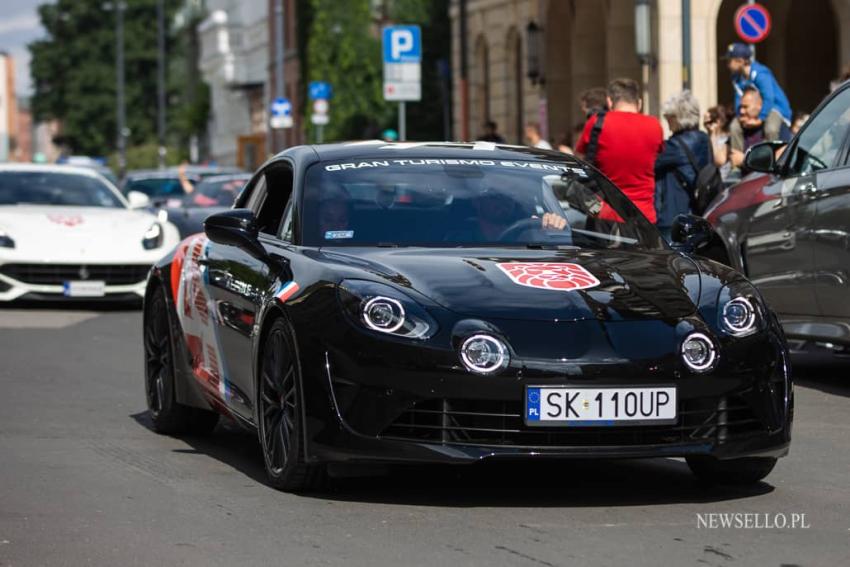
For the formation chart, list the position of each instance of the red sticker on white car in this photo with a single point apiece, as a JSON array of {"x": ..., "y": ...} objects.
[
  {"x": 558, "y": 276},
  {"x": 65, "y": 220}
]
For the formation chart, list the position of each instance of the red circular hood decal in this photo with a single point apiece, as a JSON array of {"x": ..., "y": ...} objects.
[{"x": 558, "y": 276}]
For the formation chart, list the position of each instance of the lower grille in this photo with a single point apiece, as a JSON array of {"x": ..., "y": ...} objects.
[
  {"x": 56, "y": 274},
  {"x": 498, "y": 423}
]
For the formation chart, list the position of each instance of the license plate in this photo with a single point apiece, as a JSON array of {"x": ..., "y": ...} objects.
[
  {"x": 595, "y": 407},
  {"x": 87, "y": 288}
]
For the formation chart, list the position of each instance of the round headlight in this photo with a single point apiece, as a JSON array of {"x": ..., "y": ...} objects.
[
  {"x": 698, "y": 352},
  {"x": 383, "y": 314},
  {"x": 152, "y": 237},
  {"x": 484, "y": 354},
  {"x": 739, "y": 316}
]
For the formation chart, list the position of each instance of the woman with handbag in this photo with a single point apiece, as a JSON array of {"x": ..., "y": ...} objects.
[{"x": 679, "y": 166}]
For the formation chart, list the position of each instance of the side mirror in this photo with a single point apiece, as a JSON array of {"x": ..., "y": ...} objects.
[
  {"x": 762, "y": 157},
  {"x": 138, "y": 200},
  {"x": 689, "y": 233},
  {"x": 236, "y": 227}
]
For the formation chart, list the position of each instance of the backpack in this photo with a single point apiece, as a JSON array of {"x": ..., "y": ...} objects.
[
  {"x": 707, "y": 184},
  {"x": 593, "y": 144}
]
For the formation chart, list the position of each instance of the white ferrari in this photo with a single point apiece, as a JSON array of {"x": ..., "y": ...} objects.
[{"x": 67, "y": 232}]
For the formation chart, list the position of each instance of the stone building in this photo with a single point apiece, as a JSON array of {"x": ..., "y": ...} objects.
[
  {"x": 234, "y": 62},
  {"x": 529, "y": 60}
]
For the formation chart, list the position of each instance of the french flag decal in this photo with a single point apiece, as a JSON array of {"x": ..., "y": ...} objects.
[{"x": 286, "y": 291}]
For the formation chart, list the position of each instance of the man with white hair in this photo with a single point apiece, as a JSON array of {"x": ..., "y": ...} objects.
[{"x": 685, "y": 154}]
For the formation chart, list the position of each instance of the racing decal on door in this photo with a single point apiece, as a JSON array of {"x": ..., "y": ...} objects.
[
  {"x": 197, "y": 318},
  {"x": 558, "y": 276}
]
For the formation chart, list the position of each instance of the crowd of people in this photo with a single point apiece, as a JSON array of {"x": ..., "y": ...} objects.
[{"x": 677, "y": 176}]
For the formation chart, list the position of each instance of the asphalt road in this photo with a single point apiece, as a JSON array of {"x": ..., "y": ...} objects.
[{"x": 84, "y": 481}]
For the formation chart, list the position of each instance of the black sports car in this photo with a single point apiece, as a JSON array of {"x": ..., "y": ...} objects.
[
  {"x": 373, "y": 302},
  {"x": 788, "y": 228},
  {"x": 211, "y": 195}
]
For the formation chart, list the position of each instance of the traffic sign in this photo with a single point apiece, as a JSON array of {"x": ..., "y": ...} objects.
[
  {"x": 281, "y": 113},
  {"x": 320, "y": 112},
  {"x": 752, "y": 22},
  {"x": 402, "y": 63},
  {"x": 402, "y": 44},
  {"x": 320, "y": 89}
]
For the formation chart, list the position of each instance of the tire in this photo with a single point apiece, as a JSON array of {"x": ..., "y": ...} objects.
[
  {"x": 169, "y": 417},
  {"x": 279, "y": 421},
  {"x": 749, "y": 470}
]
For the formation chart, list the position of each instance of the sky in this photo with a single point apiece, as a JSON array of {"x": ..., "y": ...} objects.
[{"x": 19, "y": 25}]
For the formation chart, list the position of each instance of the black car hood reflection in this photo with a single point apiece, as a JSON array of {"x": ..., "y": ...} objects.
[{"x": 632, "y": 285}]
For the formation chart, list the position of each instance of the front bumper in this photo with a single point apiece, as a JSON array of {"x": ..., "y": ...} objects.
[
  {"x": 43, "y": 281},
  {"x": 369, "y": 401}
]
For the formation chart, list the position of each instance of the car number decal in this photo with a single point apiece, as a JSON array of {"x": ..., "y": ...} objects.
[{"x": 557, "y": 276}]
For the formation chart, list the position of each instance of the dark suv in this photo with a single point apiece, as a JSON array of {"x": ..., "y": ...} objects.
[{"x": 787, "y": 226}]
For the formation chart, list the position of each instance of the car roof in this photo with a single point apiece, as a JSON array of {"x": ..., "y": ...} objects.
[
  {"x": 51, "y": 168},
  {"x": 227, "y": 177},
  {"x": 378, "y": 149}
]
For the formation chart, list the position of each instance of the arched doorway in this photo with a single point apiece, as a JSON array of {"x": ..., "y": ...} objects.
[
  {"x": 588, "y": 43},
  {"x": 802, "y": 49}
]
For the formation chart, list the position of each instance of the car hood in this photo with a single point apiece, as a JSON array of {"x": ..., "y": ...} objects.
[
  {"x": 69, "y": 233},
  {"x": 497, "y": 283}
]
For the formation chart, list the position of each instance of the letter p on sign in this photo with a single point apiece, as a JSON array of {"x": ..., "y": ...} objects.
[{"x": 402, "y": 44}]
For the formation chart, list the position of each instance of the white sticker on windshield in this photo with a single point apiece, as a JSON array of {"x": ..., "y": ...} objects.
[{"x": 339, "y": 234}]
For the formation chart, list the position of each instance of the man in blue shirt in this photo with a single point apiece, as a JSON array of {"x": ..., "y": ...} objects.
[{"x": 776, "y": 110}]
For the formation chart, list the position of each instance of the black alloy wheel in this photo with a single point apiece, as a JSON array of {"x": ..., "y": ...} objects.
[
  {"x": 279, "y": 414},
  {"x": 168, "y": 416}
]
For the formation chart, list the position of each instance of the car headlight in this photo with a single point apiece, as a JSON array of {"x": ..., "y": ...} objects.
[
  {"x": 699, "y": 352},
  {"x": 6, "y": 241},
  {"x": 484, "y": 354},
  {"x": 384, "y": 309},
  {"x": 740, "y": 311},
  {"x": 153, "y": 237}
]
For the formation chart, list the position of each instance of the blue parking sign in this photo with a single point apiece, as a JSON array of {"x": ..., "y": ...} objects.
[{"x": 402, "y": 44}]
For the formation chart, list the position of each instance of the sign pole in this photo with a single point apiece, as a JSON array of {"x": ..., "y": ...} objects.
[
  {"x": 320, "y": 134},
  {"x": 402, "y": 47}
]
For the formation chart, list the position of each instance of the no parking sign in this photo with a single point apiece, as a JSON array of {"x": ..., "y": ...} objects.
[{"x": 752, "y": 22}]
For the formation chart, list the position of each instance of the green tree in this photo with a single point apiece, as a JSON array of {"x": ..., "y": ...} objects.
[
  {"x": 344, "y": 48},
  {"x": 73, "y": 72}
]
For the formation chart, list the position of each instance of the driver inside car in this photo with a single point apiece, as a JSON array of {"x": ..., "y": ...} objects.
[{"x": 497, "y": 212}]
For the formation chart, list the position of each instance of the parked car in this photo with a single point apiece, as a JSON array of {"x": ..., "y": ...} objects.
[
  {"x": 454, "y": 302},
  {"x": 211, "y": 195},
  {"x": 163, "y": 186},
  {"x": 68, "y": 233},
  {"x": 787, "y": 226}
]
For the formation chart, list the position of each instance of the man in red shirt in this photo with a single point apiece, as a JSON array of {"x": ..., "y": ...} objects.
[{"x": 626, "y": 145}]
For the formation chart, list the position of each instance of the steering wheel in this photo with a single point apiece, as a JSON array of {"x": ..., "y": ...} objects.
[{"x": 520, "y": 226}]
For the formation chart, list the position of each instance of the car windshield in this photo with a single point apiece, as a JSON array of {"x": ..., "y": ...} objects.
[
  {"x": 452, "y": 202},
  {"x": 155, "y": 186},
  {"x": 216, "y": 192},
  {"x": 53, "y": 188}
]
